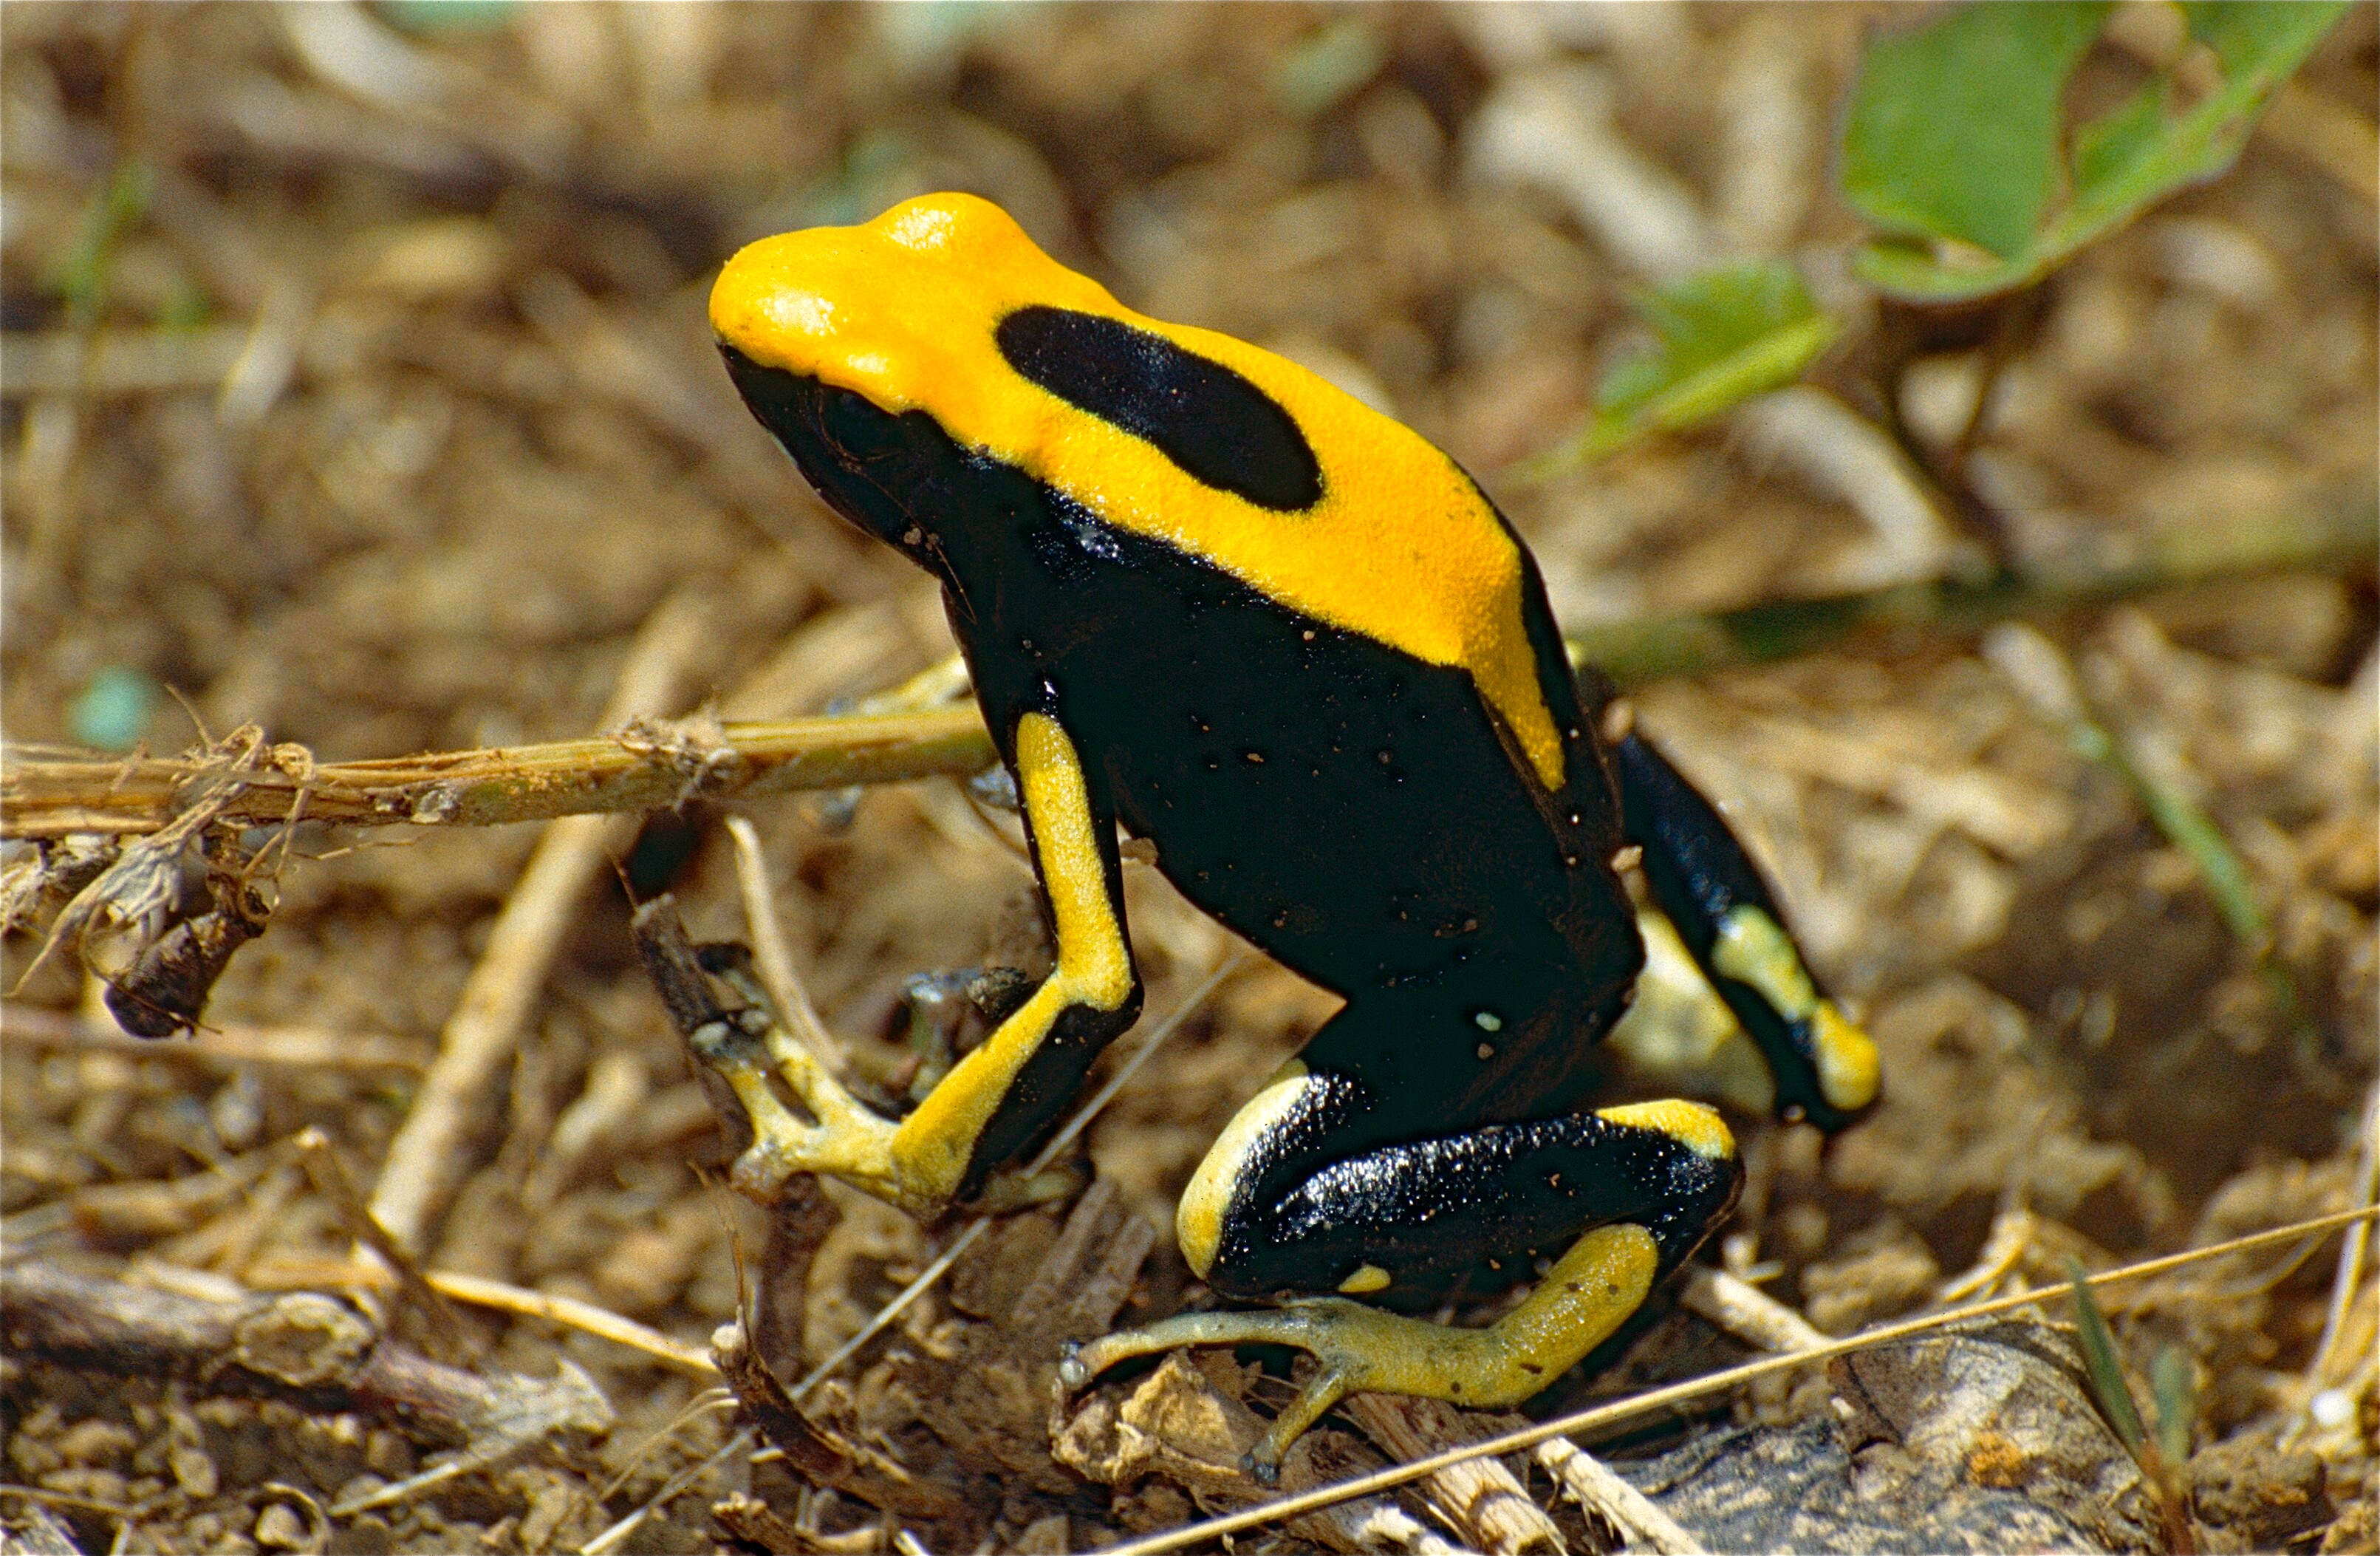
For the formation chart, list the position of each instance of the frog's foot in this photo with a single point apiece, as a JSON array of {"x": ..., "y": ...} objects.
[
  {"x": 752, "y": 1053},
  {"x": 1602, "y": 1278}
]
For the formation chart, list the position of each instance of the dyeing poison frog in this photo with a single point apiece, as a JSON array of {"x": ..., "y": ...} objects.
[{"x": 1206, "y": 595}]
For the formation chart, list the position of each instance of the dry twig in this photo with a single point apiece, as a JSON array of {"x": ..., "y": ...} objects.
[
  {"x": 219, "y": 1047},
  {"x": 312, "y": 1349},
  {"x": 1479, "y": 1499},
  {"x": 428, "y": 1156}
]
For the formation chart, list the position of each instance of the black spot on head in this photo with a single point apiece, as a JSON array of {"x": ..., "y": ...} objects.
[{"x": 1221, "y": 428}]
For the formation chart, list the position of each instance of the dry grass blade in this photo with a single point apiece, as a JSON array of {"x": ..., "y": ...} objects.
[
  {"x": 574, "y": 1314},
  {"x": 1481, "y": 1500},
  {"x": 612, "y": 1537},
  {"x": 1698, "y": 1388},
  {"x": 224, "y": 1047},
  {"x": 787, "y": 994},
  {"x": 1587, "y": 1481},
  {"x": 427, "y": 1157},
  {"x": 329, "y": 1178},
  {"x": 2350, "y": 1277},
  {"x": 1747, "y": 1312}
]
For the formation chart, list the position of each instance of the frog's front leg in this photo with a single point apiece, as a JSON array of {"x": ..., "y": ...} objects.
[
  {"x": 1627, "y": 1193},
  {"x": 1000, "y": 1095}
]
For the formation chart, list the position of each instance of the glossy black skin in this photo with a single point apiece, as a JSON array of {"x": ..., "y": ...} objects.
[{"x": 1358, "y": 813}]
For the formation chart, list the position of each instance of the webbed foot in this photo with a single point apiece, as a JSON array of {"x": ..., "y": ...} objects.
[
  {"x": 843, "y": 1136},
  {"x": 1597, "y": 1283}
]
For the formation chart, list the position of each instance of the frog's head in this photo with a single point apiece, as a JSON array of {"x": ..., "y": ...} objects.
[
  {"x": 870, "y": 351},
  {"x": 870, "y": 464},
  {"x": 941, "y": 315}
]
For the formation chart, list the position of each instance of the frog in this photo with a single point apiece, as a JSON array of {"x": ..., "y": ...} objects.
[{"x": 1213, "y": 601}]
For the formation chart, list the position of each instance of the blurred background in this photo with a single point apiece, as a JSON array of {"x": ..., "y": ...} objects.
[{"x": 357, "y": 386}]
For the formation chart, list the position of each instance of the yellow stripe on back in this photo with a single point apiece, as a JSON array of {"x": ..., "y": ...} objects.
[{"x": 1401, "y": 548}]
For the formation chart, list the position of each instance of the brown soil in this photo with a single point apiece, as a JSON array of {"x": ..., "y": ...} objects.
[{"x": 428, "y": 425}]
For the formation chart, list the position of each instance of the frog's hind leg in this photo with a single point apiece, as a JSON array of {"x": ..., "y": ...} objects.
[{"x": 1630, "y": 1192}]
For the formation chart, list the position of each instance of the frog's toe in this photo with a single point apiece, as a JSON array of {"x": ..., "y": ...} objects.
[
  {"x": 1601, "y": 1279},
  {"x": 751, "y": 1056},
  {"x": 782, "y": 1145},
  {"x": 1287, "y": 1326},
  {"x": 1327, "y": 1328}
]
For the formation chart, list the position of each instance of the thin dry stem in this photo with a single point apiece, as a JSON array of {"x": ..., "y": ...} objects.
[
  {"x": 56, "y": 795},
  {"x": 1589, "y": 1482},
  {"x": 429, "y": 1155},
  {"x": 1480, "y": 1499},
  {"x": 773, "y": 957},
  {"x": 224, "y": 1047},
  {"x": 1748, "y": 1313},
  {"x": 571, "y": 1313},
  {"x": 2348, "y": 1278}
]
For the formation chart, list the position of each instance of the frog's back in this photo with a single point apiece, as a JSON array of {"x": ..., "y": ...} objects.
[{"x": 1360, "y": 814}]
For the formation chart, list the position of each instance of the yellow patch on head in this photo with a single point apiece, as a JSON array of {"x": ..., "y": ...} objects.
[
  {"x": 1401, "y": 548},
  {"x": 1698, "y": 1128}
]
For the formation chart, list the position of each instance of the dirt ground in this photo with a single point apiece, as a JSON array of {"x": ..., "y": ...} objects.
[{"x": 386, "y": 417}]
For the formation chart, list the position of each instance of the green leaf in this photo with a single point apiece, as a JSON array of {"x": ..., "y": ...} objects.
[
  {"x": 2107, "y": 1385},
  {"x": 430, "y": 18},
  {"x": 2250, "y": 36},
  {"x": 1900, "y": 155},
  {"x": 114, "y": 210},
  {"x": 2110, "y": 148},
  {"x": 1953, "y": 127},
  {"x": 1722, "y": 336},
  {"x": 113, "y": 711}
]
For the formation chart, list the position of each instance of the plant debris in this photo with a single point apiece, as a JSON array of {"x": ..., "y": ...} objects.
[{"x": 355, "y": 388}]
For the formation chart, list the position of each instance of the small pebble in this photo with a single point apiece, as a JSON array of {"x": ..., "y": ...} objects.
[{"x": 280, "y": 1527}]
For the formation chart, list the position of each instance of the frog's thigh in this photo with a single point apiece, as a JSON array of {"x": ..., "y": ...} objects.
[
  {"x": 1274, "y": 1210},
  {"x": 1624, "y": 1194}
]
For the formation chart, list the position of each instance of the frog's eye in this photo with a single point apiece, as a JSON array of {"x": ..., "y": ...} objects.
[{"x": 1222, "y": 430}]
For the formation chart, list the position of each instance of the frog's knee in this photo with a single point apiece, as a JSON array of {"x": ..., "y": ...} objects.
[{"x": 1215, "y": 1218}]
